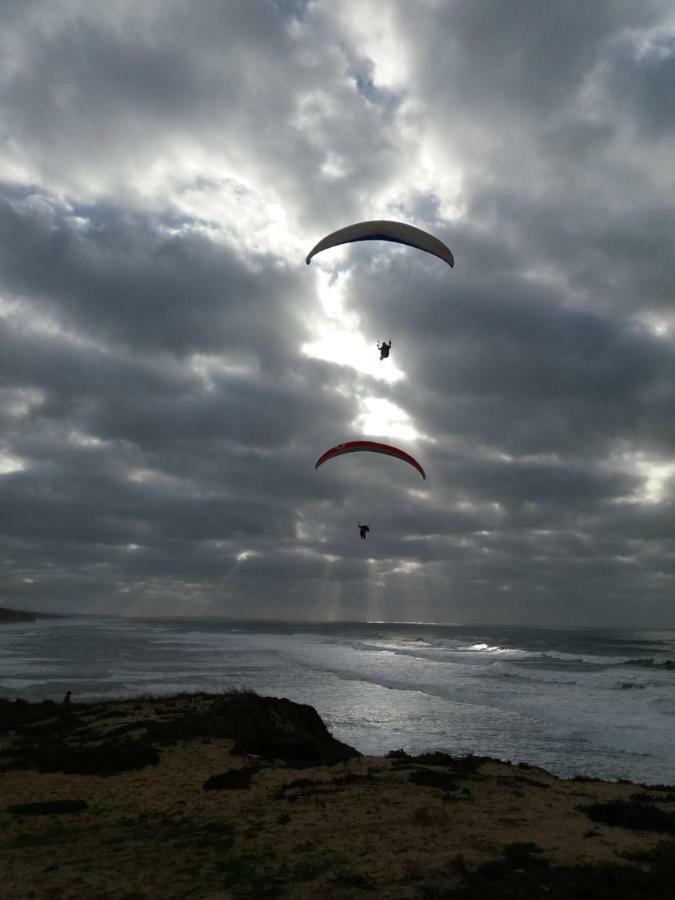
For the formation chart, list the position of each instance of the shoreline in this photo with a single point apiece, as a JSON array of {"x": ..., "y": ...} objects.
[{"x": 237, "y": 795}]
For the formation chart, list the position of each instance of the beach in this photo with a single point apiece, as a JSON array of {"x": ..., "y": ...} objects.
[{"x": 237, "y": 795}]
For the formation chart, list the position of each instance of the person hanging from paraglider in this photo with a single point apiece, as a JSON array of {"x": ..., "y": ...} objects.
[
  {"x": 363, "y": 530},
  {"x": 384, "y": 348}
]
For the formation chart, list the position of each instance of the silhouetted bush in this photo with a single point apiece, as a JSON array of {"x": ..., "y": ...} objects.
[
  {"x": 463, "y": 764},
  {"x": 234, "y": 779},
  {"x": 101, "y": 759},
  {"x": 430, "y": 778},
  {"x": 20, "y": 712},
  {"x": 520, "y": 853},
  {"x": 521, "y": 876},
  {"x": 48, "y": 808},
  {"x": 67, "y": 723},
  {"x": 637, "y": 816},
  {"x": 512, "y": 780},
  {"x": 353, "y": 880},
  {"x": 275, "y": 728}
]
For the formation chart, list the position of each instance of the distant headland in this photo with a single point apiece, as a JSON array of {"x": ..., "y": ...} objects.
[{"x": 7, "y": 616}]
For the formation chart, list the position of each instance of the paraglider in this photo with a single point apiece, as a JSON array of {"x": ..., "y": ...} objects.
[
  {"x": 384, "y": 230},
  {"x": 398, "y": 233},
  {"x": 384, "y": 348},
  {"x": 371, "y": 447}
]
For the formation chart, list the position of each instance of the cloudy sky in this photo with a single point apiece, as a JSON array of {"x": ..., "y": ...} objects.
[{"x": 170, "y": 369}]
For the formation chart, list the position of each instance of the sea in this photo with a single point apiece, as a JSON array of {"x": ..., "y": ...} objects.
[{"x": 573, "y": 701}]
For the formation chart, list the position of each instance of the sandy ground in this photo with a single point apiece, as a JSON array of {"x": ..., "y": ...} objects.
[{"x": 359, "y": 828}]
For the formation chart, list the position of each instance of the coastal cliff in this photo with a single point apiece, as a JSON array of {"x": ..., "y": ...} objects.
[{"x": 241, "y": 796}]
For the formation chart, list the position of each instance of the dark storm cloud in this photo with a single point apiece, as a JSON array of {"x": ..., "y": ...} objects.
[
  {"x": 562, "y": 167},
  {"x": 124, "y": 439},
  {"x": 509, "y": 366},
  {"x": 526, "y": 55},
  {"x": 493, "y": 69},
  {"x": 161, "y": 168},
  {"x": 122, "y": 278}
]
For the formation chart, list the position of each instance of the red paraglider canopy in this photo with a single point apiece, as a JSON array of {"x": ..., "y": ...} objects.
[{"x": 372, "y": 447}]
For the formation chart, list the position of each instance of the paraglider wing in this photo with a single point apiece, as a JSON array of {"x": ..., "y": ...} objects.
[
  {"x": 372, "y": 447},
  {"x": 383, "y": 230}
]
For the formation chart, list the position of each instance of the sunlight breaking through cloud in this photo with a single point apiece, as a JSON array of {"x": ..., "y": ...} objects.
[
  {"x": 10, "y": 463},
  {"x": 383, "y": 418},
  {"x": 339, "y": 339}
]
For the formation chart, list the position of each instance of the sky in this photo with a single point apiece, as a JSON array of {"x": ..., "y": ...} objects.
[{"x": 171, "y": 369}]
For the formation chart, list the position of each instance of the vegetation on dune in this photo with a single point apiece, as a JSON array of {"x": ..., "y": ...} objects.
[
  {"x": 523, "y": 875},
  {"x": 72, "y": 738},
  {"x": 636, "y": 814},
  {"x": 48, "y": 808},
  {"x": 290, "y": 833}
]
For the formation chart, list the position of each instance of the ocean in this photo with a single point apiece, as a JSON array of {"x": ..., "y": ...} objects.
[{"x": 574, "y": 701}]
